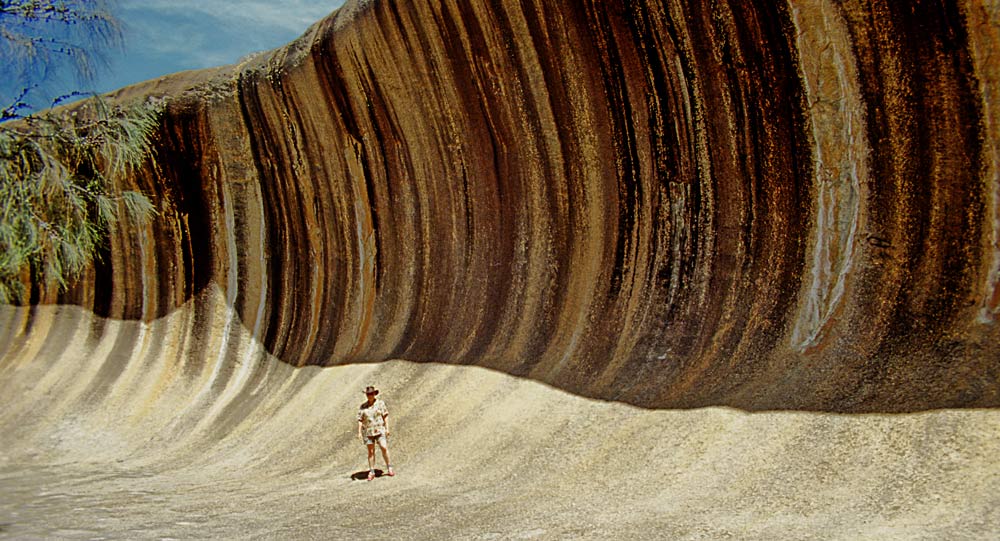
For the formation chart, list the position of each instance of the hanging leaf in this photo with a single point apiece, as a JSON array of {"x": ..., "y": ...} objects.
[{"x": 60, "y": 178}]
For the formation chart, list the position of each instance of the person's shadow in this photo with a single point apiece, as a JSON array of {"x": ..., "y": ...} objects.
[{"x": 363, "y": 475}]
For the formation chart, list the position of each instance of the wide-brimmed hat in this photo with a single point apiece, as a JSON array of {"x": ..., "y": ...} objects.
[{"x": 371, "y": 390}]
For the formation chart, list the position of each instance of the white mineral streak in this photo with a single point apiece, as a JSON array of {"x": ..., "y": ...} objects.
[
  {"x": 985, "y": 46},
  {"x": 203, "y": 398},
  {"x": 840, "y": 154},
  {"x": 364, "y": 282},
  {"x": 261, "y": 269},
  {"x": 132, "y": 375},
  {"x": 680, "y": 231},
  {"x": 680, "y": 225}
]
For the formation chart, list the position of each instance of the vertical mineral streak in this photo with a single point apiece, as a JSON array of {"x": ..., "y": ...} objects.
[
  {"x": 672, "y": 203},
  {"x": 984, "y": 21},
  {"x": 836, "y": 128}
]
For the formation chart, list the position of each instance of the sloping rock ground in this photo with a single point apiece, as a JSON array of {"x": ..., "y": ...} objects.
[
  {"x": 656, "y": 270},
  {"x": 150, "y": 445}
]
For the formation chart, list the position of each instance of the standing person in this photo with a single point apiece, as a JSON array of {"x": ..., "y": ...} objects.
[{"x": 373, "y": 427}]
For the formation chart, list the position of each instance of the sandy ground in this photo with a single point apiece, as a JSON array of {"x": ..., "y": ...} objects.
[{"x": 104, "y": 443}]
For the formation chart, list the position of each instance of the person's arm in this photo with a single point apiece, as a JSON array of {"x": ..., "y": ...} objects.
[
  {"x": 360, "y": 435},
  {"x": 385, "y": 418}
]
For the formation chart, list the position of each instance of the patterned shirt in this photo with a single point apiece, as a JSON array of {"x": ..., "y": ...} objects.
[{"x": 372, "y": 418}]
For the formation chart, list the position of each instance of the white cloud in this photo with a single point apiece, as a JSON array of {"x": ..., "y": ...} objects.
[
  {"x": 288, "y": 15},
  {"x": 165, "y": 36}
]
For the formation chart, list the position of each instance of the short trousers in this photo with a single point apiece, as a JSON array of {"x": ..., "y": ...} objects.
[{"x": 377, "y": 438}]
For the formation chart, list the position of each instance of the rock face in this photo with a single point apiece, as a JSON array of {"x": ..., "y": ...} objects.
[{"x": 765, "y": 205}]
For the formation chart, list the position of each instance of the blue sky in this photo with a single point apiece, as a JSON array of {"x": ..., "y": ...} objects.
[{"x": 167, "y": 36}]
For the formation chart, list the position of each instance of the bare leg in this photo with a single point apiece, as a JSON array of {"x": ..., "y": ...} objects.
[
  {"x": 385, "y": 455},
  {"x": 371, "y": 457}
]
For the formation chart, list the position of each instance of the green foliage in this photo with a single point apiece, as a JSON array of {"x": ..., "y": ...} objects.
[{"x": 60, "y": 174}]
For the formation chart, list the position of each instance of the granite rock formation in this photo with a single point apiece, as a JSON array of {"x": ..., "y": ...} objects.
[
  {"x": 766, "y": 205},
  {"x": 522, "y": 220}
]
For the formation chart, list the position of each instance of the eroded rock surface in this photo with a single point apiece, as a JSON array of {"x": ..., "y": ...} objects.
[
  {"x": 759, "y": 204},
  {"x": 676, "y": 205}
]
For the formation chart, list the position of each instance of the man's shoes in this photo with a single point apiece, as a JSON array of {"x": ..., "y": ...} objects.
[{"x": 371, "y": 475}]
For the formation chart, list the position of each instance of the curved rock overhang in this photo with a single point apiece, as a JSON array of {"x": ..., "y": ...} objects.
[{"x": 765, "y": 205}]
